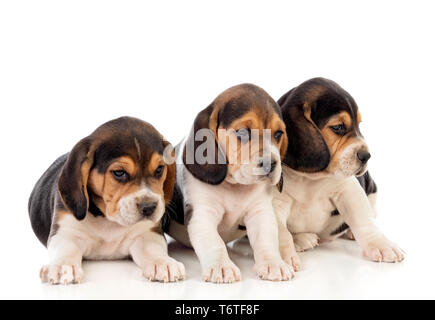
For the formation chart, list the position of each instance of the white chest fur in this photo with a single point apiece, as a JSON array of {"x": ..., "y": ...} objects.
[
  {"x": 307, "y": 203},
  {"x": 99, "y": 238},
  {"x": 231, "y": 202}
]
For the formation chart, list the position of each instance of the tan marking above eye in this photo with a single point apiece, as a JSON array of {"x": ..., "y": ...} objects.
[
  {"x": 124, "y": 163},
  {"x": 276, "y": 124},
  {"x": 155, "y": 161},
  {"x": 341, "y": 118},
  {"x": 250, "y": 120}
]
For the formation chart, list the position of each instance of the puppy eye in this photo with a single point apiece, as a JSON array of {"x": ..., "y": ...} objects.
[
  {"x": 278, "y": 135},
  {"x": 158, "y": 171},
  {"x": 339, "y": 129},
  {"x": 243, "y": 133},
  {"x": 120, "y": 175}
]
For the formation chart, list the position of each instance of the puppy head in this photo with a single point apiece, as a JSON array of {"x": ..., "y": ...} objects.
[
  {"x": 322, "y": 122},
  {"x": 239, "y": 138},
  {"x": 120, "y": 168}
]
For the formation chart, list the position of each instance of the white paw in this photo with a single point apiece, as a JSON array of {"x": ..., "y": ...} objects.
[
  {"x": 305, "y": 241},
  {"x": 61, "y": 274},
  {"x": 164, "y": 269},
  {"x": 274, "y": 270},
  {"x": 224, "y": 271},
  {"x": 292, "y": 259},
  {"x": 383, "y": 250}
]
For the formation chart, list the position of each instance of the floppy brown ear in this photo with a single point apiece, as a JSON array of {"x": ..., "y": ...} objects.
[
  {"x": 168, "y": 185},
  {"x": 73, "y": 179},
  {"x": 307, "y": 150},
  {"x": 211, "y": 173}
]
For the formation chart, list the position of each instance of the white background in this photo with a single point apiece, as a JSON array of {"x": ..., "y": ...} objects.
[{"x": 67, "y": 67}]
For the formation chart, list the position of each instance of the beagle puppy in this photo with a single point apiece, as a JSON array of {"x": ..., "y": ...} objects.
[
  {"x": 105, "y": 200},
  {"x": 327, "y": 188},
  {"x": 227, "y": 169}
]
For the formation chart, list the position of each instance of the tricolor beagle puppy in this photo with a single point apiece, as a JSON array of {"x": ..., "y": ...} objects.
[
  {"x": 224, "y": 185},
  {"x": 327, "y": 188},
  {"x": 105, "y": 200}
]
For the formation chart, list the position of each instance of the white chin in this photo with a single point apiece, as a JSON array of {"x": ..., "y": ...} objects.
[
  {"x": 125, "y": 221},
  {"x": 242, "y": 179}
]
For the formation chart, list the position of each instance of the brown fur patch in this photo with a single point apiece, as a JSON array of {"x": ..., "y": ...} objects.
[
  {"x": 276, "y": 124},
  {"x": 157, "y": 229},
  {"x": 252, "y": 120},
  {"x": 108, "y": 190},
  {"x": 155, "y": 161},
  {"x": 336, "y": 143},
  {"x": 341, "y": 118},
  {"x": 358, "y": 117}
]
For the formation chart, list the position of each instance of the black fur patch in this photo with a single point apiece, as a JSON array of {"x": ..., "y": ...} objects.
[
  {"x": 174, "y": 210},
  {"x": 335, "y": 213},
  {"x": 343, "y": 227},
  {"x": 367, "y": 183},
  {"x": 211, "y": 173},
  {"x": 94, "y": 210},
  {"x": 45, "y": 200}
]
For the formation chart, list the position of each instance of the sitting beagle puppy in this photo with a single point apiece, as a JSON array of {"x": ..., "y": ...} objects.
[
  {"x": 105, "y": 200},
  {"x": 327, "y": 188},
  {"x": 224, "y": 190}
]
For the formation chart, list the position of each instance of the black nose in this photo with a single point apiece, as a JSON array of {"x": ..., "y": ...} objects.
[
  {"x": 363, "y": 156},
  {"x": 147, "y": 208},
  {"x": 268, "y": 167}
]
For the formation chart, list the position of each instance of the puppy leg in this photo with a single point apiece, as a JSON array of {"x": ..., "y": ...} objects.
[
  {"x": 150, "y": 253},
  {"x": 65, "y": 265},
  {"x": 357, "y": 212},
  {"x": 305, "y": 241},
  {"x": 210, "y": 248},
  {"x": 262, "y": 230},
  {"x": 372, "y": 199},
  {"x": 286, "y": 243}
]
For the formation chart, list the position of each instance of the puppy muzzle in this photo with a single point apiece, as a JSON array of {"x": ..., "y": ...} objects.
[
  {"x": 354, "y": 159},
  {"x": 143, "y": 204}
]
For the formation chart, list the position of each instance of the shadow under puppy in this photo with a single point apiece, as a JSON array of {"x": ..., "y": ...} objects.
[
  {"x": 327, "y": 187},
  {"x": 224, "y": 185},
  {"x": 104, "y": 200}
]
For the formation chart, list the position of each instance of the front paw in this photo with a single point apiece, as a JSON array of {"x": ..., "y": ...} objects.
[
  {"x": 61, "y": 274},
  {"x": 305, "y": 241},
  {"x": 383, "y": 250},
  {"x": 224, "y": 271},
  {"x": 291, "y": 258},
  {"x": 164, "y": 269},
  {"x": 274, "y": 270}
]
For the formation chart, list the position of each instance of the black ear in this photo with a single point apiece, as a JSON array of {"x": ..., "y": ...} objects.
[
  {"x": 73, "y": 179},
  {"x": 214, "y": 169},
  {"x": 307, "y": 150}
]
